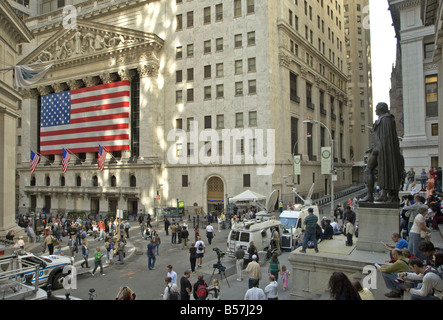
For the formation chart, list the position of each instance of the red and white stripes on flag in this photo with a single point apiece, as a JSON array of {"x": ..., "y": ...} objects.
[
  {"x": 34, "y": 161},
  {"x": 65, "y": 160},
  {"x": 82, "y": 119},
  {"x": 101, "y": 157}
]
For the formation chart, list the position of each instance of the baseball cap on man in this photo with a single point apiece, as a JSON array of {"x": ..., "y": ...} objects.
[{"x": 254, "y": 257}]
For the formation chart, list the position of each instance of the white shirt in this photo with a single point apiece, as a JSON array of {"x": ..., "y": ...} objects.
[
  {"x": 173, "y": 276},
  {"x": 271, "y": 290},
  {"x": 418, "y": 218},
  {"x": 255, "y": 294},
  {"x": 209, "y": 228},
  {"x": 197, "y": 244},
  {"x": 169, "y": 287}
]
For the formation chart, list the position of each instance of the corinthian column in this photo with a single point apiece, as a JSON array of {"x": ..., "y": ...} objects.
[{"x": 149, "y": 108}]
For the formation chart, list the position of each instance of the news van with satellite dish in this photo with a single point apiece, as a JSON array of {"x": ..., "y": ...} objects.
[
  {"x": 292, "y": 220},
  {"x": 258, "y": 230}
]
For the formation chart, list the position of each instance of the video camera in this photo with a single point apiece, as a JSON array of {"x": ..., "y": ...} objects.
[{"x": 219, "y": 253}]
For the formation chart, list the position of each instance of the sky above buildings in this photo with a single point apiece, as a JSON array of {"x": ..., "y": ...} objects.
[{"x": 383, "y": 47}]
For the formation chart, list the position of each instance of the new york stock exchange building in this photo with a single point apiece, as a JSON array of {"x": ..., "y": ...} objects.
[{"x": 178, "y": 94}]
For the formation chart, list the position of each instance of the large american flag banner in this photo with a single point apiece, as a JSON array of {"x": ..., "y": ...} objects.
[{"x": 82, "y": 119}]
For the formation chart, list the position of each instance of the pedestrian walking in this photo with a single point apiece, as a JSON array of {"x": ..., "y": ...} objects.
[
  {"x": 274, "y": 266},
  {"x": 193, "y": 256},
  {"x": 171, "y": 290},
  {"x": 151, "y": 255},
  {"x": 209, "y": 233},
  {"x": 200, "y": 288},
  {"x": 173, "y": 232},
  {"x": 271, "y": 290},
  {"x": 201, "y": 249},
  {"x": 254, "y": 292},
  {"x": 157, "y": 242},
  {"x": 109, "y": 246},
  {"x": 184, "y": 237},
  {"x": 167, "y": 224},
  {"x": 285, "y": 274},
  {"x": 98, "y": 255},
  {"x": 85, "y": 253},
  {"x": 127, "y": 226},
  {"x": 254, "y": 272}
]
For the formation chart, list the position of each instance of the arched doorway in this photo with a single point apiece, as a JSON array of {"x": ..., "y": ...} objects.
[{"x": 215, "y": 194}]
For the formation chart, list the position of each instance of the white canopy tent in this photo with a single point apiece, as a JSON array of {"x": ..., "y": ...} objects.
[{"x": 247, "y": 196}]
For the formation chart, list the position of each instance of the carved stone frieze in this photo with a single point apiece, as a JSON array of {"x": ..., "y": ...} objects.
[
  {"x": 59, "y": 87},
  {"x": 75, "y": 84},
  {"x": 108, "y": 77},
  {"x": 148, "y": 70},
  {"x": 91, "y": 81},
  {"x": 126, "y": 74}
]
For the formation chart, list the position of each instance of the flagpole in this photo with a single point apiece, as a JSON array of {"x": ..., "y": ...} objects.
[
  {"x": 40, "y": 155},
  {"x": 33, "y": 64},
  {"x": 71, "y": 153},
  {"x": 109, "y": 153}
]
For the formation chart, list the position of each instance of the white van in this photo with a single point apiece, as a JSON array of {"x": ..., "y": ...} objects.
[
  {"x": 260, "y": 232},
  {"x": 292, "y": 224}
]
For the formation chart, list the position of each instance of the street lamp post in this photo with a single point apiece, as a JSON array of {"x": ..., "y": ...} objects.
[
  {"x": 293, "y": 168},
  {"x": 332, "y": 159}
]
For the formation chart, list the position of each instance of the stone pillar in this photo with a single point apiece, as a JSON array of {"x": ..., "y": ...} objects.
[
  {"x": 126, "y": 74},
  {"x": 376, "y": 223},
  {"x": 8, "y": 124},
  {"x": 90, "y": 81},
  {"x": 148, "y": 109},
  {"x": 30, "y": 123}
]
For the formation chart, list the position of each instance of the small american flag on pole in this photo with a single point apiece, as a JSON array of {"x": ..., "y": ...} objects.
[
  {"x": 65, "y": 161},
  {"x": 34, "y": 161},
  {"x": 101, "y": 157}
]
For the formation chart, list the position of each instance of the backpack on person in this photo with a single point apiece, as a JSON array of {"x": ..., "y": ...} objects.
[
  {"x": 200, "y": 246},
  {"x": 201, "y": 292},
  {"x": 173, "y": 295}
]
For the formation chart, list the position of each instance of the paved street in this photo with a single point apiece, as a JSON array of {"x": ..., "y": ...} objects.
[{"x": 149, "y": 284}]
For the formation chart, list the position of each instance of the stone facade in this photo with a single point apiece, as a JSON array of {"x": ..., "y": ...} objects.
[
  {"x": 419, "y": 36},
  {"x": 245, "y": 65},
  {"x": 12, "y": 33}
]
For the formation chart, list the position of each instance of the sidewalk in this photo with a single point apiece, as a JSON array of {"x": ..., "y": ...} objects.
[{"x": 130, "y": 249}]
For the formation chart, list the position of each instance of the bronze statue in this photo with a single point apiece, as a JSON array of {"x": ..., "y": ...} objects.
[{"x": 384, "y": 156}]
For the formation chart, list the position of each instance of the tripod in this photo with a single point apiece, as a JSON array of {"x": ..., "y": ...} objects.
[{"x": 221, "y": 272}]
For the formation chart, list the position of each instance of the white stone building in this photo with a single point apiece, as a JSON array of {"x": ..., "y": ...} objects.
[
  {"x": 242, "y": 64},
  {"x": 13, "y": 32},
  {"x": 418, "y": 28}
]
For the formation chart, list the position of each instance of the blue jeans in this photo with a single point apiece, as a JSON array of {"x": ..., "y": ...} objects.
[
  {"x": 151, "y": 262},
  {"x": 310, "y": 235},
  {"x": 98, "y": 264}
]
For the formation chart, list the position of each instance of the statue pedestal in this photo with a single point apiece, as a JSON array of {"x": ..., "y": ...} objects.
[{"x": 377, "y": 222}]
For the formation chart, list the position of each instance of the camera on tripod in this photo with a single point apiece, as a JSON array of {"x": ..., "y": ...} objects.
[
  {"x": 219, "y": 253},
  {"x": 220, "y": 256}
]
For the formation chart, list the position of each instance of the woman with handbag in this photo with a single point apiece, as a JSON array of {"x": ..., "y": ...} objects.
[{"x": 419, "y": 232}]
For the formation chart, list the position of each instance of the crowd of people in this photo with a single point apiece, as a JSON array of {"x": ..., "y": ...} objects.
[{"x": 414, "y": 264}]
